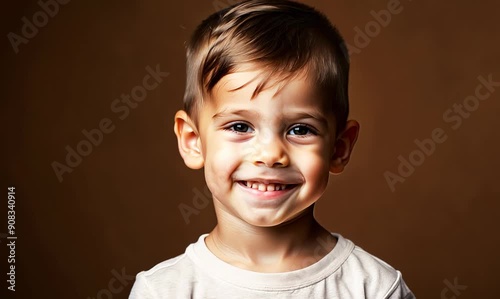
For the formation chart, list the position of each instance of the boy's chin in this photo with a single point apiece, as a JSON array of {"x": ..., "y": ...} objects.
[
  {"x": 268, "y": 222},
  {"x": 271, "y": 219},
  {"x": 264, "y": 222}
]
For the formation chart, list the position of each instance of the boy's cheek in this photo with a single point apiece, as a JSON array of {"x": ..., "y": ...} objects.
[
  {"x": 315, "y": 168},
  {"x": 223, "y": 157}
]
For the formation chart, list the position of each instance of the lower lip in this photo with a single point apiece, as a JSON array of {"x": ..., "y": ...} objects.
[{"x": 266, "y": 195}]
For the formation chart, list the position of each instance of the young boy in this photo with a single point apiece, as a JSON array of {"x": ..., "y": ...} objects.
[{"x": 265, "y": 115}]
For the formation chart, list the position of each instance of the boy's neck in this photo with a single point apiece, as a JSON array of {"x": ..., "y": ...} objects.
[{"x": 287, "y": 247}]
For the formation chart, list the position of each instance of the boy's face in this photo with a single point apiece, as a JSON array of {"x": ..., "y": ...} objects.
[{"x": 268, "y": 158}]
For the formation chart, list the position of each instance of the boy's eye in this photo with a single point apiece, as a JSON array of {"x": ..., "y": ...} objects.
[
  {"x": 301, "y": 130},
  {"x": 239, "y": 128}
]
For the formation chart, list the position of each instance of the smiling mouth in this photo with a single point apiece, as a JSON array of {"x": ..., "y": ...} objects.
[{"x": 266, "y": 187}]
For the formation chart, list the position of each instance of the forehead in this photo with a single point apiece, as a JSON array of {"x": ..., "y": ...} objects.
[{"x": 242, "y": 88}]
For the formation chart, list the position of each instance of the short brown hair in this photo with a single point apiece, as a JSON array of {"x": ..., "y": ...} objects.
[{"x": 280, "y": 37}]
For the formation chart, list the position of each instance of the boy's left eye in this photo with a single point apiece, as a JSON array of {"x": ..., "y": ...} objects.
[{"x": 301, "y": 130}]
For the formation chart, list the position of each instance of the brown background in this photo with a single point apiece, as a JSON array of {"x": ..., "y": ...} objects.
[{"x": 119, "y": 207}]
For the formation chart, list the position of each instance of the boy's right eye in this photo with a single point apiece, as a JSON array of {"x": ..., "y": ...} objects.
[{"x": 239, "y": 128}]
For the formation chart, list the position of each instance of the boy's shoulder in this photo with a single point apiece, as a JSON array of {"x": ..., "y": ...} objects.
[
  {"x": 197, "y": 273},
  {"x": 163, "y": 278}
]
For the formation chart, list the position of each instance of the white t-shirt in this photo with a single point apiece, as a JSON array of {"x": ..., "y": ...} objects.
[{"x": 345, "y": 272}]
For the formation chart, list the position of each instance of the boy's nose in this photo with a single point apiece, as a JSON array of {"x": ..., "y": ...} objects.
[{"x": 271, "y": 153}]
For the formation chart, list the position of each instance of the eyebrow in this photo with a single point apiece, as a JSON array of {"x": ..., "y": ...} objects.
[
  {"x": 305, "y": 115},
  {"x": 240, "y": 112},
  {"x": 292, "y": 115}
]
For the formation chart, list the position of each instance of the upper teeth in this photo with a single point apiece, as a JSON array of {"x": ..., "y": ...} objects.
[{"x": 265, "y": 187}]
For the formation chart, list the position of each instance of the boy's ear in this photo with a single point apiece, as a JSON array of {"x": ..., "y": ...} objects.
[
  {"x": 343, "y": 146},
  {"x": 188, "y": 140}
]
